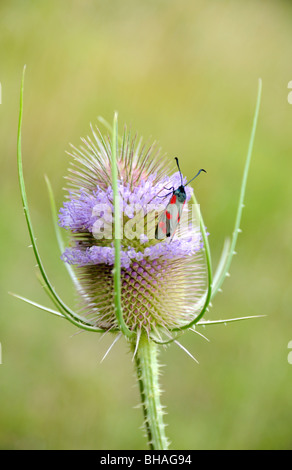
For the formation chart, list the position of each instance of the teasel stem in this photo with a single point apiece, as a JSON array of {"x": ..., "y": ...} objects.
[
  {"x": 147, "y": 367},
  {"x": 117, "y": 236}
]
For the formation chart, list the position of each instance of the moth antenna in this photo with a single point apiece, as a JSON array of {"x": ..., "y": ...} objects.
[
  {"x": 181, "y": 178},
  {"x": 196, "y": 176}
]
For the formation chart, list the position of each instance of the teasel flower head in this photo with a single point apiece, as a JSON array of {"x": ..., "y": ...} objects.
[
  {"x": 130, "y": 282},
  {"x": 162, "y": 281}
]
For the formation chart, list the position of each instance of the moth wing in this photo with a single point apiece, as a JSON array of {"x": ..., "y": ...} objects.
[
  {"x": 162, "y": 227},
  {"x": 169, "y": 219},
  {"x": 173, "y": 213}
]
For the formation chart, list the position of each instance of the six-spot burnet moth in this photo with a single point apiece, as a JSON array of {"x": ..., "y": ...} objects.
[{"x": 170, "y": 217}]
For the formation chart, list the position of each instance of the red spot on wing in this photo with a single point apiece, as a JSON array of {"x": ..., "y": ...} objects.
[
  {"x": 162, "y": 226},
  {"x": 168, "y": 215},
  {"x": 173, "y": 199}
]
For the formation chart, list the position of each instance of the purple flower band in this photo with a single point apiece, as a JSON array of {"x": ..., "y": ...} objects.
[
  {"x": 79, "y": 215},
  {"x": 166, "y": 250}
]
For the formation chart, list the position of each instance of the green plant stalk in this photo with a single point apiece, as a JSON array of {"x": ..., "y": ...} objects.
[
  {"x": 147, "y": 368},
  {"x": 64, "y": 309},
  {"x": 229, "y": 247},
  {"x": 117, "y": 235},
  {"x": 209, "y": 268}
]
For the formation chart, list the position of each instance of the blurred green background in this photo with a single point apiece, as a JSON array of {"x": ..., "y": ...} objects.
[{"x": 184, "y": 73}]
